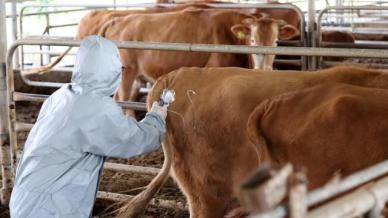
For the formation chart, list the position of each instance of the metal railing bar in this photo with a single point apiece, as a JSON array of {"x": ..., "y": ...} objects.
[
  {"x": 356, "y": 203},
  {"x": 155, "y": 202},
  {"x": 131, "y": 168},
  {"x": 329, "y": 191},
  {"x": 355, "y": 45},
  {"x": 53, "y": 12},
  {"x": 48, "y": 52},
  {"x": 144, "y": 5},
  {"x": 62, "y": 25},
  {"x": 19, "y": 96},
  {"x": 23, "y": 127},
  {"x": 42, "y": 84},
  {"x": 344, "y": 8},
  {"x": 242, "y": 49},
  {"x": 347, "y": 183}
]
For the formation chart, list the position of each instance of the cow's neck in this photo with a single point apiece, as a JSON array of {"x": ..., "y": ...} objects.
[{"x": 257, "y": 61}]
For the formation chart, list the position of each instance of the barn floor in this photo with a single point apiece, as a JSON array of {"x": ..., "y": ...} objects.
[{"x": 123, "y": 183}]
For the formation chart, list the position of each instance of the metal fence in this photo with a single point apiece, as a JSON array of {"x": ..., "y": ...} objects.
[
  {"x": 264, "y": 195},
  {"x": 8, "y": 118},
  {"x": 347, "y": 24},
  {"x": 9, "y": 151}
]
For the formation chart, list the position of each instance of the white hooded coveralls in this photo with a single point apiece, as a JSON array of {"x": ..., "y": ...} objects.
[{"x": 58, "y": 173}]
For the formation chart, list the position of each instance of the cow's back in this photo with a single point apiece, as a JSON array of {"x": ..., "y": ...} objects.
[
  {"x": 91, "y": 23},
  {"x": 246, "y": 85}
]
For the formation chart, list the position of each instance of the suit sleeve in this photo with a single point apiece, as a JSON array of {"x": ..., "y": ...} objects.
[{"x": 113, "y": 134}]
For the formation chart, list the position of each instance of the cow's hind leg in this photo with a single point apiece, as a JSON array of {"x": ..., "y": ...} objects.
[{"x": 208, "y": 207}]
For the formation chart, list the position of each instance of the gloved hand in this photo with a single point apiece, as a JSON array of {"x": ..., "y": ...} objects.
[{"x": 161, "y": 110}]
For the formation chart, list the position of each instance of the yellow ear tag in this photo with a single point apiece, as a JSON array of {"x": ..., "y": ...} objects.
[{"x": 241, "y": 35}]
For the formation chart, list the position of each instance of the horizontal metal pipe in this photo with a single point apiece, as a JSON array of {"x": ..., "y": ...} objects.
[
  {"x": 131, "y": 168},
  {"x": 52, "y": 12},
  {"x": 57, "y": 69},
  {"x": 144, "y": 5},
  {"x": 62, "y": 25},
  {"x": 137, "y": 106},
  {"x": 11, "y": 16},
  {"x": 19, "y": 96},
  {"x": 347, "y": 183},
  {"x": 293, "y": 62},
  {"x": 344, "y": 8},
  {"x": 47, "y": 52},
  {"x": 355, "y": 45},
  {"x": 23, "y": 127},
  {"x": 370, "y": 31},
  {"x": 155, "y": 202},
  {"x": 280, "y": 43},
  {"x": 42, "y": 84},
  {"x": 355, "y": 203},
  {"x": 303, "y": 51},
  {"x": 329, "y": 191}
]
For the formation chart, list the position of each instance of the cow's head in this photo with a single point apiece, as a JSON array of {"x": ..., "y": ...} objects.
[{"x": 263, "y": 32}]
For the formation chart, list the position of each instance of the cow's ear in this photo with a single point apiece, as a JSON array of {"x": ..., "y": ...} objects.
[
  {"x": 241, "y": 31},
  {"x": 287, "y": 32}
]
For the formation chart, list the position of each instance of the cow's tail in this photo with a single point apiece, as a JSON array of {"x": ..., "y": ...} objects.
[
  {"x": 104, "y": 29},
  {"x": 254, "y": 131},
  {"x": 46, "y": 68},
  {"x": 137, "y": 205}
]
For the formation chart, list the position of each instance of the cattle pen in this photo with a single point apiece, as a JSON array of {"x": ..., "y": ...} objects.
[{"x": 373, "y": 198}]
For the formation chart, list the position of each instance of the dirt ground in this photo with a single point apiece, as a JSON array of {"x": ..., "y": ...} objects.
[{"x": 123, "y": 183}]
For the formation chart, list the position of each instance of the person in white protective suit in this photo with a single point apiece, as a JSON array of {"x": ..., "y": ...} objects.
[{"x": 78, "y": 125}]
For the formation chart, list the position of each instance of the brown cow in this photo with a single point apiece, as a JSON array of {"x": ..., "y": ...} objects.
[
  {"x": 191, "y": 25},
  {"x": 329, "y": 129},
  {"x": 207, "y": 143},
  {"x": 92, "y": 23}
]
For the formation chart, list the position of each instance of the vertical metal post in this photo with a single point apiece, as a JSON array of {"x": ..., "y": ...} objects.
[
  {"x": 297, "y": 194},
  {"x": 15, "y": 30},
  {"x": 47, "y": 48},
  {"x": 21, "y": 51},
  {"x": 311, "y": 33},
  {"x": 42, "y": 62},
  {"x": 5, "y": 159},
  {"x": 340, "y": 20}
]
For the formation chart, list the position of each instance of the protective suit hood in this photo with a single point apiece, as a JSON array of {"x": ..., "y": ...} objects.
[{"x": 97, "y": 67}]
